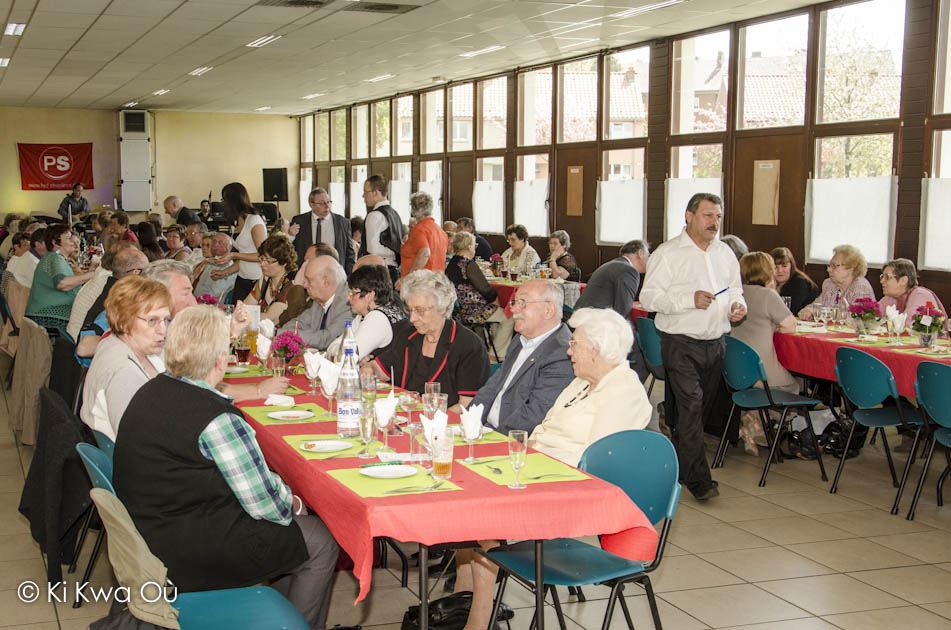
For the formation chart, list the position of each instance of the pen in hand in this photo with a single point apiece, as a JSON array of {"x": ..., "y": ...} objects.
[{"x": 721, "y": 291}]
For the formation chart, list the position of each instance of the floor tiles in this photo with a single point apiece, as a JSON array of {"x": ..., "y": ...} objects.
[
  {"x": 734, "y": 605},
  {"x": 716, "y": 537},
  {"x": 789, "y": 530},
  {"x": 934, "y": 546},
  {"x": 922, "y": 584},
  {"x": 769, "y": 563},
  {"x": 831, "y": 594},
  {"x": 871, "y": 523},
  {"x": 853, "y": 554},
  {"x": 908, "y": 617}
]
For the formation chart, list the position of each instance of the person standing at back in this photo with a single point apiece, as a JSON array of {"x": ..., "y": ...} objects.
[
  {"x": 382, "y": 228},
  {"x": 693, "y": 284}
]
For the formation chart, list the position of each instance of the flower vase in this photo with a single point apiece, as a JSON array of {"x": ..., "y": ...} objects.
[
  {"x": 860, "y": 325},
  {"x": 928, "y": 339},
  {"x": 497, "y": 269},
  {"x": 278, "y": 365}
]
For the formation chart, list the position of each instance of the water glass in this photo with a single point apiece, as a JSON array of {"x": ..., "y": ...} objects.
[
  {"x": 417, "y": 451},
  {"x": 442, "y": 454},
  {"x": 367, "y": 422},
  {"x": 432, "y": 388},
  {"x": 518, "y": 448}
]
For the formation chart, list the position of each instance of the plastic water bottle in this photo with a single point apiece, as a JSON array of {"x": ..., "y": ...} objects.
[
  {"x": 350, "y": 341},
  {"x": 349, "y": 398}
]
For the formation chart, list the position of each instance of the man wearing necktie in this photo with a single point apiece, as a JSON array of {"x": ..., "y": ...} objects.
[
  {"x": 324, "y": 321},
  {"x": 320, "y": 225}
]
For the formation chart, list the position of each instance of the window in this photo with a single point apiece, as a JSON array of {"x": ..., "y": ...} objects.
[
  {"x": 432, "y": 118},
  {"x": 578, "y": 100},
  {"x": 772, "y": 73},
  {"x": 359, "y": 130},
  {"x": 323, "y": 137},
  {"x": 358, "y": 176},
  {"x": 693, "y": 169},
  {"x": 460, "y": 99},
  {"x": 307, "y": 139},
  {"x": 531, "y": 194},
  {"x": 404, "y": 126},
  {"x": 303, "y": 191},
  {"x": 854, "y": 156},
  {"x": 488, "y": 195},
  {"x": 621, "y": 203},
  {"x": 381, "y": 129},
  {"x": 338, "y": 145},
  {"x": 700, "y": 83},
  {"x": 860, "y": 50},
  {"x": 625, "y": 93},
  {"x": 933, "y": 252},
  {"x": 337, "y": 186},
  {"x": 401, "y": 182},
  {"x": 430, "y": 181},
  {"x": 493, "y": 112},
  {"x": 534, "y": 107}
]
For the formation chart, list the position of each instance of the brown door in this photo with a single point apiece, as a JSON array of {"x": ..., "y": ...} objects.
[
  {"x": 789, "y": 150},
  {"x": 461, "y": 175},
  {"x": 581, "y": 228}
]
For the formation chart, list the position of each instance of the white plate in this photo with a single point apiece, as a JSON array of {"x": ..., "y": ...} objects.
[
  {"x": 291, "y": 414},
  {"x": 325, "y": 446},
  {"x": 235, "y": 369},
  {"x": 393, "y": 471}
]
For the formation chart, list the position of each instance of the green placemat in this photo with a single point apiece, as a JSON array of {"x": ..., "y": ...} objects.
[
  {"x": 489, "y": 438},
  {"x": 368, "y": 487},
  {"x": 878, "y": 343},
  {"x": 253, "y": 371},
  {"x": 261, "y": 414},
  {"x": 922, "y": 353},
  {"x": 297, "y": 440},
  {"x": 535, "y": 464},
  {"x": 294, "y": 391}
]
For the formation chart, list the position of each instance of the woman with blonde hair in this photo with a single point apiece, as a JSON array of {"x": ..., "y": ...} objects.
[{"x": 846, "y": 282}]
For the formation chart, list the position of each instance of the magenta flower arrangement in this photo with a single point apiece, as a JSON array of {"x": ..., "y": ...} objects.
[
  {"x": 496, "y": 258},
  {"x": 928, "y": 319},
  {"x": 207, "y": 298},
  {"x": 866, "y": 309},
  {"x": 287, "y": 345}
]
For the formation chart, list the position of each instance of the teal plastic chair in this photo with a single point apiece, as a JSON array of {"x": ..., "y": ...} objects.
[
  {"x": 105, "y": 443},
  {"x": 867, "y": 383},
  {"x": 933, "y": 391},
  {"x": 742, "y": 369},
  {"x": 648, "y": 340},
  {"x": 644, "y": 465},
  {"x": 99, "y": 468}
]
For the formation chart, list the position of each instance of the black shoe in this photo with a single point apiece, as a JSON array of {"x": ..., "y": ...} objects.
[
  {"x": 709, "y": 493},
  {"x": 339, "y": 627}
]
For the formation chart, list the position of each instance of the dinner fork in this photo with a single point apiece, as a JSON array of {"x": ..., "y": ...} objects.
[
  {"x": 549, "y": 475},
  {"x": 414, "y": 488}
]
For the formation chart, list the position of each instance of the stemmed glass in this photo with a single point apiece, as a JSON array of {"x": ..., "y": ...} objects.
[
  {"x": 518, "y": 446},
  {"x": 382, "y": 423},
  {"x": 312, "y": 377},
  {"x": 367, "y": 420},
  {"x": 409, "y": 402},
  {"x": 327, "y": 393},
  {"x": 823, "y": 314}
]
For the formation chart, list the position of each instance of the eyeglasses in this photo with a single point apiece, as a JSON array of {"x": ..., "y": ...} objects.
[
  {"x": 322, "y": 204},
  {"x": 264, "y": 260},
  {"x": 573, "y": 342},
  {"x": 834, "y": 265},
  {"x": 887, "y": 276},
  {"x": 520, "y": 303},
  {"x": 155, "y": 322},
  {"x": 357, "y": 293},
  {"x": 420, "y": 311}
]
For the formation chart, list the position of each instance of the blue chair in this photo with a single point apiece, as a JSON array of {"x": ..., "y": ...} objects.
[
  {"x": 933, "y": 391},
  {"x": 644, "y": 465},
  {"x": 649, "y": 342},
  {"x": 105, "y": 443},
  {"x": 7, "y": 316},
  {"x": 99, "y": 468},
  {"x": 867, "y": 383},
  {"x": 742, "y": 369}
]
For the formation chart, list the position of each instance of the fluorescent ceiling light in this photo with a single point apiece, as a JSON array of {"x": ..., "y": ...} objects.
[
  {"x": 263, "y": 41},
  {"x": 476, "y": 53},
  {"x": 197, "y": 72},
  {"x": 14, "y": 29},
  {"x": 307, "y": 97},
  {"x": 4, "y": 62},
  {"x": 263, "y": 109},
  {"x": 382, "y": 77},
  {"x": 160, "y": 92},
  {"x": 647, "y": 8},
  {"x": 130, "y": 104}
]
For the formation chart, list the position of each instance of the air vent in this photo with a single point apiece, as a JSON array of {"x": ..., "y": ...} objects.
[
  {"x": 380, "y": 7},
  {"x": 295, "y": 4},
  {"x": 133, "y": 122}
]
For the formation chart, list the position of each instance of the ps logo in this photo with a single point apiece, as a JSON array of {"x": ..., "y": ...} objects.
[{"x": 56, "y": 162}]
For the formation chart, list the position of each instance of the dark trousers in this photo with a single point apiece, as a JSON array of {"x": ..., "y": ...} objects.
[
  {"x": 242, "y": 287},
  {"x": 694, "y": 371},
  {"x": 308, "y": 586}
]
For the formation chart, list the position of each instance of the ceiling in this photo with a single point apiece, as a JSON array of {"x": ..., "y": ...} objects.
[{"x": 105, "y": 53}]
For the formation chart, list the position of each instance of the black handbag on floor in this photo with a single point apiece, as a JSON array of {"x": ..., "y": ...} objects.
[{"x": 450, "y": 613}]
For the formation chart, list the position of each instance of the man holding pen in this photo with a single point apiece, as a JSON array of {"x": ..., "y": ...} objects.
[{"x": 693, "y": 284}]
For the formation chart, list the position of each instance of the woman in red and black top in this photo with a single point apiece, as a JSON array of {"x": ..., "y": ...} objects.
[
  {"x": 279, "y": 298},
  {"x": 432, "y": 347}
]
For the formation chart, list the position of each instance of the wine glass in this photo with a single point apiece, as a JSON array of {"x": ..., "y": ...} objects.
[
  {"x": 518, "y": 445},
  {"x": 312, "y": 377},
  {"x": 471, "y": 458},
  {"x": 382, "y": 423},
  {"x": 367, "y": 420},
  {"x": 409, "y": 402}
]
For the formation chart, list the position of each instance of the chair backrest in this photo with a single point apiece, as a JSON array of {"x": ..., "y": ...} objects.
[
  {"x": 933, "y": 390},
  {"x": 105, "y": 444},
  {"x": 865, "y": 380},
  {"x": 5, "y": 313},
  {"x": 98, "y": 465},
  {"x": 643, "y": 464},
  {"x": 742, "y": 366},
  {"x": 649, "y": 341}
]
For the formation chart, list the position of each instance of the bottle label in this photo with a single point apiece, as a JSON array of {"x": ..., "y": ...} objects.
[{"x": 349, "y": 412}]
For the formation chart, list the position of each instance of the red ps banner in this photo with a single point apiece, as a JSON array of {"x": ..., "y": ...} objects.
[{"x": 55, "y": 166}]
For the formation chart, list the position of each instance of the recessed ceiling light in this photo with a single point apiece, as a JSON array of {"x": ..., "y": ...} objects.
[
  {"x": 476, "y": 53},
  {"x": 14, "y": 29},
  {"x": 307, "y": 97},
  {"x": 160, "y": 92},
  {"x": 263, "y": 109},
  {"x": 646, "y": 8},
  {"x": 130, "y": 104},
  {"x": 382, "y": 77},
  {"x": 197, "y": 72},
  {"x": 4, "y": 62},
  {"x": 263, "y": 41}
]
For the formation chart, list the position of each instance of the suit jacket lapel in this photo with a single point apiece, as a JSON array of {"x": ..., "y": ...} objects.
[{"x": 530, "y": 361}]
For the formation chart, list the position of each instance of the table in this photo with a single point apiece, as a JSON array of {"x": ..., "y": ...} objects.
[
  {"x": 543, "y": 511},
  {"x": 506, "y": 290}
]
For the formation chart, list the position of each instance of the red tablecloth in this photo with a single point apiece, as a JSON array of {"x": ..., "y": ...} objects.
[
  {"x": 813, "y": 354},
  {"x": 482, "y": 510},
  {"x": 638, "y": 311}
]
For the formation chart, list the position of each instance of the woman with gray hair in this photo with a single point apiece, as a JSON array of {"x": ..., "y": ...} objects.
[
  {"x": 900, "y": 287},
  {"x": 427, "y": 243},
  {"x": 563, "y": 265},
  {"x": 434, "y": 348},
  {"x": 606, "y": 395}
]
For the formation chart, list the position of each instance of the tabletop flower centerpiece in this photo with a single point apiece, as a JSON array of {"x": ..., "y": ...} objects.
[
  {"x": 928, "y": 323},
  {"x": 496, "y": 262},
  {"x": 285, "y": 347},
  {"x": 207, "y": 298},
  {"x": 866, "y": 314}
]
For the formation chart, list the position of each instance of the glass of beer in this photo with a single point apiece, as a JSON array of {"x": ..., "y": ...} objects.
[
  {"x": 442, "y": 454},
  {"x": 242, "y": 350}
]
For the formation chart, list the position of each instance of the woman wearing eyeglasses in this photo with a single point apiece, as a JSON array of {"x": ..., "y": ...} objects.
[
  {"x": 279, "y": 298},
  {"x": 846, "y": 282},
  {"x": 377, "y": 313},
  {"x": 138, "y": 311}
]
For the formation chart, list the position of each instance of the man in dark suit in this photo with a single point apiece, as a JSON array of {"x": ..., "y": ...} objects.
[
  {"x": 180, "y": 214},
  {"x": 614, "y": 285},
  {"x": 483, "y": 249},
  {"x": 320, "y": 225},
  {"x": 536, "y": 368}
]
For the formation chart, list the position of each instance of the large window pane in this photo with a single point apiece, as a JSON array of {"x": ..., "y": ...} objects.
[
  {"x": 941, "y": 154},
  {"x": 381, "y": 129},
  {"x": 860, "y": 54},
  {"x": 534, "y": 107},
  {"x": 700, "y": 83},
  {"x": 493, "y": 110},
  {"x": 531, "y": 194},
  {"x": 854, "y": 156},
  {"x": 626, "y": 93},
  {"x": 621, "y": 201},
  {"x": 460, "y": 98},
  {"x": 358, "y": 176},
  {"x": 773, "y": 73},
  {"x": 401, "y": 183},
  {"x": 430, "y": 181},
  {"x": 359, "y": 132},
  {"x": 307, "y": 139},
  {"x": 323, "y": 137},
  {"x": 488, "y": 195},
  {"x": 432, "y": 120},
  {"x": 303, "y": 191},
  {"x": 403, "y": 127},
  {"x": 338, "y": 186},
  {"x": 933, "y": 251},
  {"x": 338, "y": 146},
  {"x": 693, "y": 169},
  {"x": 578, "y": 100}
]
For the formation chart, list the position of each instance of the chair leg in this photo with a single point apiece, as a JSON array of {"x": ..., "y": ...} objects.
[
  {"x": 650, "y": 387},
  {"x": 768, "y": 431},
  {"x": 82, "y": 538},
  {"x": 383, "y": 559},
  {"x": 904, "y": 474},
  {"x": 774, "y": 447},
  {"x": 92, "y": 563},
  {"x": 652, "y": 601},
  {"x": 815, "y": 441},
  {"x": 944, "y": 476},
  {"x": 845, "y": 451},
  {"x": 404, "y": 571},
  {"x": 624, "y": 609},
  {"x": 580, "y": 594},
  {"x": 921, "y": 484},
  {"x": 891, "y": 462},
  {"x": 721, "y": 449},
  {"x": 557, "y": 603},
  {"x": 609, "y": 612},
  {"x": 498, "y": 601},
  {"x": 871, "y": 440}
]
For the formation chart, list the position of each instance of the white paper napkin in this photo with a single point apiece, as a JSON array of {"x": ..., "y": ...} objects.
[
  {"x": 434, "y": 426},
  {"x": 263, "y": 348},
  {"x": 266, "y": 328},
  {"x": 279, "y": 400},
  {"x": 254, "y": 316},
  {"x": 385, "y": 409},
  {"x": 329, "y": 373},
  {"x": 312, "y": 364},
  {"x": 472, "y": 422}
]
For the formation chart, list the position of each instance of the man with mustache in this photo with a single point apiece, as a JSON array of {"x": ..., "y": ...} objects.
[{"x": 693, "y": 284}]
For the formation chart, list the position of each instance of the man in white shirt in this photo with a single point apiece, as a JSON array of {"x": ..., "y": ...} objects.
[
  {"x": 693, "y": 284},
  {"x": 324, "y": 321},
  {"x": 382, "y": 228},
  {"x": 22, "y": 267}
]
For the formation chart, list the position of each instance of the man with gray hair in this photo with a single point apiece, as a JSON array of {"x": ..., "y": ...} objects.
[
  {"x": 426, "y": 245},
  {"x": 179, "y": 213},
  {"x": 324, "y": 321},
  {"x": 115, "y": 261},
  {"x": 194, "y": 234},
  {"x": 320, "y": 225},
  {"x": 483, "y": 249},
  {"x": 213, "y": 278},
  {"x": 177, "y": 277}
]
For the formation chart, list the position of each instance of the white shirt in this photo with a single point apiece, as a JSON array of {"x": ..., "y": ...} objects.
[
  {"x": 194, "y": 258},
  {"x": 326, "y": 229},
  {"x": 245, "y": 245},
  {"x": 528, "y": 347},
  {"x": 374, "y": 226},
  {"x": 372, "y": 333},
  {"x": 675, "y": 271},
  {"x": 22, "y": 268},
  {"x": 84, "y": 300}
]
